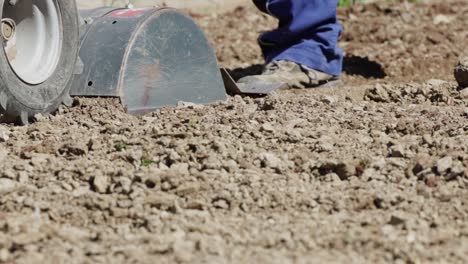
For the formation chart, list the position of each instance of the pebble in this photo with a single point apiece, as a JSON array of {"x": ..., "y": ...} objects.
[
  {"x": 7, "y": 184},
  {"x": 182, "y": 104},
  {"x": 126, "y": 184},
  {"x": 4, "y": 136},
  {"x": 441, "y": 19},
  {"x": 270, "y": 160},
  {"x": 436, "y": 82},
  {"x": 464, "y": 93},
  {"x": 267, "y": 127},
  {"x": 4, "y": 255},
  {"x": 378, "y": 94},
  {"x": 330, "y": 100},
  {"x": 395, "y": 221},
  {"x": 221, "y": 204},
  {"x": 3, "y": 154},
  {"x": 100, "y": 184},
  {"x": 427, "y": 139},
  {"x": 444, "y": 164},
  {"x": 422, "y": 162},
  {"x": 161, "y": 199},
  {"x": 397, "y": 151},
  {"x": 23, "y": 177},
  {"x": 187, "y": 188}
]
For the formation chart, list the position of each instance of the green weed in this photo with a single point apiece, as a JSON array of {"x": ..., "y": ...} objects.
[
  {"x": 147, "y": 162},
  {"x": 120, "y": 146}
]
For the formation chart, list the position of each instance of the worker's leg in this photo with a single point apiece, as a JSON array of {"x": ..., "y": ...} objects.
[{"x": 308, "y": 34}]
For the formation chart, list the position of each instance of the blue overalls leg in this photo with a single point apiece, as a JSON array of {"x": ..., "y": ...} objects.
[{"x": 307, "y": 34}]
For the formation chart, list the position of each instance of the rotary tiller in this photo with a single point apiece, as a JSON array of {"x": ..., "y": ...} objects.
[{"x": 148, "y": 57}]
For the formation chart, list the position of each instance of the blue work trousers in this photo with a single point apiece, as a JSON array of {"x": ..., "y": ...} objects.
[{"x": 307, "y": 34}]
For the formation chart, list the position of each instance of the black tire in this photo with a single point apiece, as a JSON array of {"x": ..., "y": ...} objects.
[{"x": 20, "y": 101}]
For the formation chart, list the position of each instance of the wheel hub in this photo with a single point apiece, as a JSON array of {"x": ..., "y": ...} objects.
[
  {"x": 8, "y": 28},
  {"x": 32, "y": 38}
]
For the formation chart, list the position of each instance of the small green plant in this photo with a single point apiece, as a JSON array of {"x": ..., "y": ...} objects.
[
  {"x": 146, "y": 162},
  {"x": 364, "y": 163},
  {"x": 191, "y": 123},
  {"x": 119, "y": 146},
  {"x": 346, "y": 2}
]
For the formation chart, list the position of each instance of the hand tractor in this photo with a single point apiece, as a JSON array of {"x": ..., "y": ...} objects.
[{"x": 147, "y": 57}]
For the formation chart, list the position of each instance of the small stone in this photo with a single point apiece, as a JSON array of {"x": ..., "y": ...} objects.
[
  {"x": 161, "y": 200},
  {"x": 66, "y": 186},
  {"x": 270, "y": 160},
  {"x": 190, "y": 105},
  {"x": 125, "y": 203},
  {"x": 344, "y": 169},
  {"x": 441, "y": 19},
  {"x": 100, "y": 184},
  {"x": 3, "y": 154},
  {"x": 4, "y": 136},
  {"x": 436, "y": 82},
  {"x": 427, "y": 139},
  {"x": 74, "y": 149},
  {"x": 397, "y": 151},
  {"x": 221, "y": 204},
  {"x": 267, "y": 127},
  {"x": 325, "y": 144},
  {"x": 187, "y": 188},
  {"x": 166, "y": 186},
  {"x": 378, "y": 163},
  {"x": 388, "y": 230},
  {"x": 330, "y": 100},
  {"x": 9, "y": 174},
  {"x": 40, "y": 117},
  {"x": 39, "y": 127},
  {"x": 7, "y": 184},
  {"x": 422, "y": 162},
  {"x": 94, "y": 144},
  {"x": 183, "y": 250},
  {"x": 231, "y": 165},
  {"x": 378, "y": 94},
  {"x": 23, "y": 177},
  {"x": 444, "y": 164},
  {"x": 4, "y": 255},
  {"x": 180, "y": 168},
  {"x": 464, "y": 93},
  {"x": 395, "y": 221}
]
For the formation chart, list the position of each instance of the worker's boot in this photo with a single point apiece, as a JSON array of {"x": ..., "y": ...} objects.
[{"x": 293, "y": 75}]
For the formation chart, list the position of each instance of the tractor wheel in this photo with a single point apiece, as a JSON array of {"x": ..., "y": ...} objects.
[{"x": 40, "y": 47}]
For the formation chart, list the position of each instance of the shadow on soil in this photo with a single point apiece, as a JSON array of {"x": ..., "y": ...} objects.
[
  {"x": 352, "y": 65},
  {"x": 362, "y": 66}
]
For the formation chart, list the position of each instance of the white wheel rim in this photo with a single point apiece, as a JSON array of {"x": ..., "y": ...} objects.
[{"x": 34, "y": 49}]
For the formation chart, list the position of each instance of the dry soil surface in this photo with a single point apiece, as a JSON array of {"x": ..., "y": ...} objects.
[
  {"x": 375, "y": 171},
  {"x": 201, "y": 6}
]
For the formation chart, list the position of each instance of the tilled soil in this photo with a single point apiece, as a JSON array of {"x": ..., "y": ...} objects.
[{"x": 374, "y": 171}]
